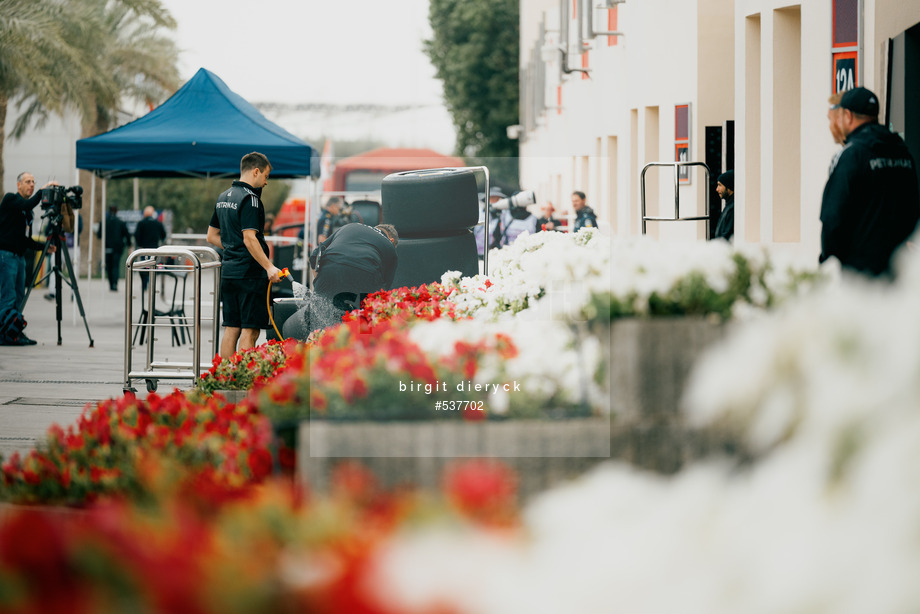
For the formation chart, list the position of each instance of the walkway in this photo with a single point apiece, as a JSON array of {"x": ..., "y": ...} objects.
[{"x": 47, "y": 383}]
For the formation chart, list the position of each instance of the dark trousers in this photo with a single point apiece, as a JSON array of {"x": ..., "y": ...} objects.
[{"x": 112, "y": 264}]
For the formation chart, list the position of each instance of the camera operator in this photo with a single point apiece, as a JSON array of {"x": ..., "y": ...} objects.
[{"x": 15, "y": 211}]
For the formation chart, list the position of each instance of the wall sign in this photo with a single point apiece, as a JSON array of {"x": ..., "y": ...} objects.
[
  {"x": 845, "y": 44},
  {"x": 845, "y": 76},
  {"x": 682, "y": 141}
]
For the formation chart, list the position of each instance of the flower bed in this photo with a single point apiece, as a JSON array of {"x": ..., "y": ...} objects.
[
  {"x": 587, "y": 277},
  {"x": 271, "y": 549},
  {"x": 247, "y": 369},
  {"x": 178, "y": 514},
  {"x": 128, "y": 447}
]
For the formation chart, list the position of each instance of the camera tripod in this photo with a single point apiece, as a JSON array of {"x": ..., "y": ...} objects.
[{"x": 56, "y": 239}]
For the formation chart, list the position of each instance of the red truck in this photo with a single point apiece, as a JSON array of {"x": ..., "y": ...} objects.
[{"x": 358, "y": 178}]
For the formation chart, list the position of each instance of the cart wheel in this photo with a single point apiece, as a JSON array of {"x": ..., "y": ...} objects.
[{"x": 151, "y": 385}]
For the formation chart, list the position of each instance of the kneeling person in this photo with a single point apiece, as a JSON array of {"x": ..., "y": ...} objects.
[
  {"x": 355, "y": 261},
  {"x": 236, "y": 227}
]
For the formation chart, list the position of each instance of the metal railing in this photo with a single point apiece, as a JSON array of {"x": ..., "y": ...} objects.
[{"x": 676, "y": 218}]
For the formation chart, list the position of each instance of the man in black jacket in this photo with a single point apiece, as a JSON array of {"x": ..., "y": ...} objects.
[
  {"x": 15, "y": 209},
  {"x": 117, "y": 238},
  {"x": 149, "y": 234},
  {"x": 871, "y": 202}
]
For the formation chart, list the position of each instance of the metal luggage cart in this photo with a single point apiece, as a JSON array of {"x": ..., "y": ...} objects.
[{"x": 176, "y": 262}]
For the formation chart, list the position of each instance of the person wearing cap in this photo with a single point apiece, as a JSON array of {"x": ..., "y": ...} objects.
[
  {"x": 871, "y": 202},
  {"x": 584, "y": 215},
  {"x": 725, "y": 187}
]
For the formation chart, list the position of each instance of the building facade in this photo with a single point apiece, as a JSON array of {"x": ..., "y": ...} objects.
[{"x": 609, "y": 87}]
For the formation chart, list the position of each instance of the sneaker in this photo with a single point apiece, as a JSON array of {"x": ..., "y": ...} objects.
[
  {"x": 20, "y": 340},
  {"x": 49, "y": 296}
]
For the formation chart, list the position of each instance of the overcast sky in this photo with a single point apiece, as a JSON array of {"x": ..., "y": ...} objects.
[{"x": 295, "y": 51}]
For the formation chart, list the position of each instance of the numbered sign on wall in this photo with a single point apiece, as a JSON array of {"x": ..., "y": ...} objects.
[
  {"x": 845, "y": 52},
  {"x": 682, "y": 141}
]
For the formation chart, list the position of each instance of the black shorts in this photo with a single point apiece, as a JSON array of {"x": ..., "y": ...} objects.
[{"x": 244, "y": 303}]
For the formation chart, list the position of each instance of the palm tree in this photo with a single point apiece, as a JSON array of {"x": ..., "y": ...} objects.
[
  {"x": 119, "y": 55},
  {"x": 33, "y": 55},
  {"x": 86, "y": 55}
]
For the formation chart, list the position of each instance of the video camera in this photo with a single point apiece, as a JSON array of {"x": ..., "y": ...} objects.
[
  {"x": 517, "y": 204},
  {"x": 55, "y": 196},
  {"x": 53, "y": 200}
]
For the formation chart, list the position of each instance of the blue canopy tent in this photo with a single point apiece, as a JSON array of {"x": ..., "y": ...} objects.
[
  {"x": 203, "y": 130},
  {"x": 200, "y": 131}
]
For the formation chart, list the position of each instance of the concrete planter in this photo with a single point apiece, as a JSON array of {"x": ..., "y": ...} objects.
[
  {"x": 233, "y": 396},
  {"x": 648, "y": 366},
  {"x": 543, "y": 452},
  {"x": 650, "y": 361}
]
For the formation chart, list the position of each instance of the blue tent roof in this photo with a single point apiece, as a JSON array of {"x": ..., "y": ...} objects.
[{"x": 204, "y": 129}]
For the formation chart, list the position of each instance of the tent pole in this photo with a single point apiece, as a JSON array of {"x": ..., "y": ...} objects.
[
  {"x": 309, "y": 239},
  {"x": 102, "y": 220},
  {"x": 92, "y": 218},
  {"x": 137, "y": 193}
]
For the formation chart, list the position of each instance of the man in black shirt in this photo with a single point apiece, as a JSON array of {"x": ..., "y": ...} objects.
[
  {"x": 355, "y": 261},
  {"x": 236, "y": 227},
  {"x": 15, "y": 210},
  {"x": 871, "y": 202},
  {"x": 149, "y": 233}
]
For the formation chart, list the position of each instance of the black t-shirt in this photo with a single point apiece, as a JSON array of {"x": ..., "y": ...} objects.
[
  {"x": 240, "y": 208},
  {"x": 149, "y": 233},
  {"x": 14, "y": 210},
  {"x": 362, "y": 247}
]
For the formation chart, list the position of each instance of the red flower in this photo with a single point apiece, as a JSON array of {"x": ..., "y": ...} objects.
[
  {"x": 352, "y": 480},
  {"x": 482, "y": 489},
  {"x": 260, "y": 464}
]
